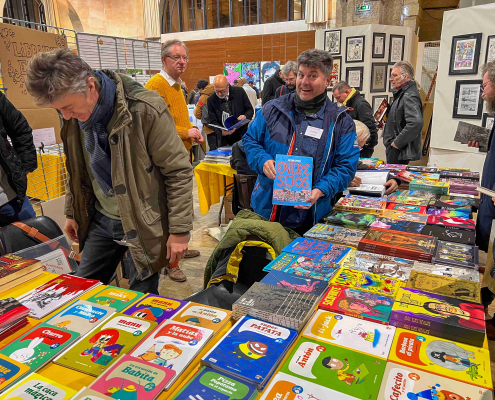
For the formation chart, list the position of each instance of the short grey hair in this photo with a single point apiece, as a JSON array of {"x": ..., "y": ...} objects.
[
  {"x": 405, "y": 68},
  {"x": 168, "y": 44},
  {"x": 342, "y": 86},
  {"x": 290, "y": 66},
  {"x": 489, "y": 68},
  {"x": 314, "y": 58},
  {"x": 52, "y": 75}
]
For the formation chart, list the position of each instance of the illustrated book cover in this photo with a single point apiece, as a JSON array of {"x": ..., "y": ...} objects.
[
  {"x": 398, "y": 225},
  {"x": 419, "y": 168},
  {"x": 418, "y": 194},
  {"x": 406, "y": 216},
  {"x": 469, "y": 274},
  {"x": 457, "y": 213},
  {"x": 412, "y": 201},
  {"x": 11, "y": 311},
  {"x": 202, "y": 316},
  {"x": 350, "y": 219},
  {"x": 10, "y": 371},
  {"x": 317, "y": 249},
  {"x": 456, "y": 254},
  {"x": 115, "y": 297},
  {"x": 13, "y": 266},
  {"x": 366, "y": 281},
  {"x": 305, "y": 267},
  {"x": 452, "y": 222},
  {"x": 35, "y": 386},
  {"x": 393, "y": 267},
  {"x": 295, "y": 282},
  {"x": 293, "y": 180},
  {"x": 360, "y": 204},
  {"x": 90, "y": 394},
  {"x": 435, "y": 187},
  {"x": 450, "y": 235},
  {"x": 154, "y": 308},
  {"x": 407, "y": 208},
  {"x": 335, "y": 234}
]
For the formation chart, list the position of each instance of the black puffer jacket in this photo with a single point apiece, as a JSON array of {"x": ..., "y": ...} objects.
[
  {"x": 21, "y": 159},
  {"x": 359, "y": 109}
]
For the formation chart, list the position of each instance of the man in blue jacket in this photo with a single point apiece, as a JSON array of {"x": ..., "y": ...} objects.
[{"x": 305, "y": 123}]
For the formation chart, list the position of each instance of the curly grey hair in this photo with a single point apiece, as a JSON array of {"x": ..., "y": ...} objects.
[
  {"x": 290, "y": 66},
  {"x": 317, "y": 59}
]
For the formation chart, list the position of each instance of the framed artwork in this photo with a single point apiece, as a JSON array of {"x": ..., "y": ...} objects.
[
  {"x": 378, "y": 77},
  {"x": 378, "y": 45},
  {"x": 390, "y": 68},
  {"x": 354, "y": 49},
  {"x": 332, "y": 41},
  {"x": 490, "y": 49},
  {"x": 468, "y": 103},
  {"x": 396, "y": 48},
  {"x": 465, "y": 54},
  {"x": 337, "y": 63},
  {"x": 354, "y": 77},
  {"x": 376, "y": 101},
  {"x": 487, "y": 120}
]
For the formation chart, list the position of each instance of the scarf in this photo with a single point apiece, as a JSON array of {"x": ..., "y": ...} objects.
[
  {"x": 95, "y": 128},
  {"x": 349, "y": 97},
  {"x": 310, "y": 106}
]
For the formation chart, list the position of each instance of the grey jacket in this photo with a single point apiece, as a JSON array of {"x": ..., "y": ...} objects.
[{"x": 405, "y": 122}]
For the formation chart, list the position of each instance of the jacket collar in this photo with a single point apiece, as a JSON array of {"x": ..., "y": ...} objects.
[
  {"x": 406, "y": 86},
  {"x": 286, "y": 103},
  {"x": 121, "y": 115}
]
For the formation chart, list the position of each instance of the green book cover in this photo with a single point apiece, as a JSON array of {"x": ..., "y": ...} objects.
[
  {"x": 96, "y": 351},
  {"x": 338, "y": 368},
  {"x": 115, "y": 297}
]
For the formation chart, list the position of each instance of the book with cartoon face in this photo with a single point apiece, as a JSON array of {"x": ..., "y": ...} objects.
[
  {"x": 317, "y": 249},
  {"x": 373, "y": 283},
  {"x": 343, "y": 370},
  {"x": 203, "y": 316},
  {"x": 302, "y": 266},
  {"x": 10, "y": 371},
  {"x": 35, "y": 386},
  {"x": 115, "y": 297},
  {"x": 154, "y": 308}
]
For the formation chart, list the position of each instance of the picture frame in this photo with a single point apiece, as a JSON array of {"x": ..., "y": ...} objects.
[
  {"x": 354, "y": 51},
  {"x": 488, "y": 120},
  {"x": 354, "y": 77},
  {"x": 465, "y": 54},
  {"x": 468, "y": 103},
  {"x": 396, "y": 48},
  {"x": 376, "y": 101},
  {"x": 336, "y": 71},
  {"x": 390, "y": 68},
  {"x": 490, "y": 49},
  {"x": 378, "y": 50},
  {"x": 333, "y": 41},
  {"x": 378, "y": 77}
]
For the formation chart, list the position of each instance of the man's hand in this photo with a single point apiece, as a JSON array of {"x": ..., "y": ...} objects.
[
  {"x": 176, "y": 247},
  {"x": 355, "y": 182},
  {"x": 70, "y": 229},
  {"x": 195, "y": 135},
  {"x": 391, "y": 186},
  {"x": 241, "y": 117},
  {"x": 493, "y": 199},
  {"x": 227, "y": 133},
  {"x": 269, "y": 169},
  {"x": 394, "y": 146},
  {"x": 473, "y": 144},
  {"x": 315, "y": 195}
]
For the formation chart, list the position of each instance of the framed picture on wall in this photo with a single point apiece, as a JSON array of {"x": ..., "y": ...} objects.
[
  {"x": 465, "y": 54},
  {"x": 354, "y": 77},
  {"x": 376, "y": 101},
  {"x": 337, "y": 63},
  {"x": 487, "y": 120},
  {"x": 378, "y": 77},
  {"x": 490, "y": 49},
  {"x": 354, "y": 49},
  {"x": 390, "y": 67},
  {"x": 468, "y": 103},
  {"x": 332, "y": 41},
  {"x": 378, "y": 45},
  {"x": 396, "y": 48}
]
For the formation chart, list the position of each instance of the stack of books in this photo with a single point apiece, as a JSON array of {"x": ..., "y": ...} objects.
[
  {"x": 430, "y": 186},
  {"x": 16, "y": 270},
  {"x": 398, "y": 225},
  {"x": 456, "y": 254},
  {"x": 452, "y": 222},
  {"x": 460, "y": 186},
  {"x": 336, "y": 234},
  {"x": 219, "y": 156},
  {"x": 350, "y": 219},
  {"x": 361, "y": 205},
  {"x": 13, "y": 316},
  {"x": 421, "y": 169}
]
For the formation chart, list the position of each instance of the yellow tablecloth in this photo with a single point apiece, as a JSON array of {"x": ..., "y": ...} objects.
[
  {"x": 48, "y": 180},
  {"x": 211, "y": 184}
]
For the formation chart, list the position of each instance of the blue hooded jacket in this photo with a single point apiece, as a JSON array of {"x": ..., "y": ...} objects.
[{"x": 270, "y": 134}]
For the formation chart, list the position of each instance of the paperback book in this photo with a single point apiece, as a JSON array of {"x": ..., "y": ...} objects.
[
  {"x": 115, "y": 297},
  {"x": 431, "y": 186},
  {"x": 11, "y": 311},
  {"x": 458, "y": 213},
  {"x": 474, "y": 176},
  {"x": 294, "y": 282},
  {"x": 456, "y": 254},
  {"x": 411, "y": 201},
  {"x": 335, "y": 234},
  {"x": 372, "y": 283},
  {"x": 16, "y": 269},
  {"x": 361, "y": 205},
  {"x": 406, "y": 208},
  {"x": 35, "y": 386},
  {"x": 305, "y": 267},
  {"x": 469, "y": 274},
  {"x": 154, "y": 308},
  {"x": 449, "y": 234},
  {"x": 452, "y": 222},
  {"x": 317, "y": 249},
  {"x": 350, "y": 219},
  {"x": 418, "y": 194},
  {"x": 10, "y": 371},
  {"x": 406, "y": 216},
  {"x": 392, "y": 267},
  {"x": 368, "y": 190},
  {"x": 293, "y": 180},
  {"x": 202, "y": 316},
  {"x": 453, "y": 202},
  {"x": 398, "y": 225},
  {"x": 90, "y": 394},
  {"x": 418, "y": 168}
]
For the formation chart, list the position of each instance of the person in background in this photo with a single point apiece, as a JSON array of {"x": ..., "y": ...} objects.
[
  {"x": 16, "y": 162},
  {"x": 191, "y": 95},
  {"x": 253, "y": 86},
  {"x": 359, "y": 110},
  {"x": 289, "y": 72},
  {"x": 201, "y": 85},
  {"x": 402, "y": 132},
  {"x": 251, "y": 94},
  {"x": 183, "y": 87},
  {"x": 304, "y": 123},
  {"x": 211, "y": 135},
  {"x": 167, "y": 84},
  {"x": 232, "y": 100},
  {"x": 129, "y": 177},
  {"x": 270, "y": 87},
  {"x": 236, "y": 82}
]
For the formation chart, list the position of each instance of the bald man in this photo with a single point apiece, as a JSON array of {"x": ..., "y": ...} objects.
[{"x": 231, "y": 100}]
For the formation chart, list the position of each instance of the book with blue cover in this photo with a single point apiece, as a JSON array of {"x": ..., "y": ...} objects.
[
  {"x": 305, "y": 267},
  {"x": 317, "y": 249},
  {"x": 295, "y": 282},
  {"x": 251, "y": 350},
  {"x": 292, "y": 185}
]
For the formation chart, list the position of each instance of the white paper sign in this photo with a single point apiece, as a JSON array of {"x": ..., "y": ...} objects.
[
  {"x": 55, "y": 262},
  {"x": 45, "y": 135}
]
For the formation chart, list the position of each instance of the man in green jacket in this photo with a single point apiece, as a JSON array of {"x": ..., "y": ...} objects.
[{"x": 129, "y": 177}]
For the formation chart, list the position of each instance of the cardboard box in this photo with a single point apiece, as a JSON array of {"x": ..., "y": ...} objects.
[{"x": 227, "y": 206}]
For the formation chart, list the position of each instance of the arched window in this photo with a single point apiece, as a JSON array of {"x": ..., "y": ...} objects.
[{"x": 25, "y": 11}]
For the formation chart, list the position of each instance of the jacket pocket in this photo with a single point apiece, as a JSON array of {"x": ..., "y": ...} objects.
[{"x": 150, "y": 216}]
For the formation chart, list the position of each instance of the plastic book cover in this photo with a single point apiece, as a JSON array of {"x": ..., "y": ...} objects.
[
  {"x": 131, "y": 378},
  {"x": 172, "y": 345},
  {"x": 211, "y": 384},
  {"x": 335, "y": 234},
  {"x": 372, "y": 283},
  {"x": 357, "y": 303},
  {"x": 442, "y": 357},
  {"x": 251, "y": 349},
  {"x": 366, "y": 205},
  {"x": 344, "y": 370},
  {"x": 350, "y": 219},
  {"x": 306, "y": 267},
  {"x": 295, "y": 282},
  {"x": 398, "y": 225},
  {"x": 35, "y": 386},
  {"x": 457, "y": 213},
  {"x": 393, "y": 267},
  {"x": 406, "y": 216},
  {"x": 407, "y": 208},
  {"x": 469, "y": 274},
  {"x": 452, "y": 222},
  {"x": 398, "y": 167},
  {"x": 99, "y": 349},
  {"x": 13, "y": 266},
  {"x": 10, "y": 371},
  {"x": 401, "y": 241},
  {"x": 456, "y": 254},
  {"x": 317, "y": 249},
  {"x": 115, "y": 297},
  {"x": 449, "y": 234},
  {"x": 154, "y": 308},
  {"x": 365, "y": 198},
  {"x": 357, "y": 334},
  {"x": 81, "y": 316},
  {"x": 39, "y": 345},
  {"x": 293, "y": 180},
  {"x": 52, "y": 295},
  {"x": 202, "y": 316},
  {"x": 458, "y": 288},
  {"x": 90, "y": 394}
]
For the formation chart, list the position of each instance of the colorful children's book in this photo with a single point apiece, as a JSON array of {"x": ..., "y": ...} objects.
[
  {"x": 407, "y": 208},
  {"x": 418, "y": 194},
  {"x": 130, "y": 377},
  {"x": 295, "y": 282},
  {"x": 406, "y": 216},
  {"x": 115, "y": 297},
  {"x": 154, "y": 308},
  {"x": 172, "y": 345},
  {"x": 452, "y": 222},
  {"x": 456, "y": 254},
  {"x": 469, "y": 274},
  {"x": 344, "y": 331},
  {"x": 10, "y": 371},
  {"x": 412, "y": 201},
  {"x": 306, "y": 267},
  {"x": 350, "y": 219},
  {"x": 90, "y": 394},
  {"x": 81, "y": 316},
  {"x": 99, "y": 349},
  {"x": 39, "y": 345},
  {"x": 35, "y": 386},
  {"x": 335, "y": 234},
  {"x": 211, "y": 384},
  {"x": 344, "y": 370},
  {"x": 366, "y": 205},
  {"x": 435, "y": 187},
  {"x": 11, "y": 311},
  {"x": 442, "y": 357},
  {"x": 292, "y": 184},
  {"x": 393, "y": 267},
  {"x": 398, "y": 225},
  {"x": 251, "y": 350},
  {"x": 357, "y": 303},
  {"x": 203, "y": 316},
  {"x": 317, "y": 249},
  {"x": 457, "y": 213},
  {"x": 361, "y": 280}
]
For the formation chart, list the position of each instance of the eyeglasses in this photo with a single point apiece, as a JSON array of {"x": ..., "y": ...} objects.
[{"x": 177, "y": 58}]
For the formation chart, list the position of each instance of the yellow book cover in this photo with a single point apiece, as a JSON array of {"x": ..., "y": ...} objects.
[
  {"x": 372, "y": 283},
  {"x": 10, "y": 371},
  {"x": 35, "y": 386}
]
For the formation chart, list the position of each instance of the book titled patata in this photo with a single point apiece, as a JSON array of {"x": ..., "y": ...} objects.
[
  {"x": 115, "y": 297},
  {"x": 35, "y": 386},
  {"x": 203, "y": 316},
  {"x": 292, "y": 184},
  {"x": 154, "y": 308},
  {"x": 10, "y": 371},
  {"x": 305, "y": 267},
  {"x": 367, "y": 282},
  {"x": 317, "y": 249}
]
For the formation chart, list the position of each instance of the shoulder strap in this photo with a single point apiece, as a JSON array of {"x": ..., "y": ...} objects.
[{"x": 281, "y": 89}]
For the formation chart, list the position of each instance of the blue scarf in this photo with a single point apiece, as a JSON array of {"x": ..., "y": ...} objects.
[{"x": 95, "y": 128}]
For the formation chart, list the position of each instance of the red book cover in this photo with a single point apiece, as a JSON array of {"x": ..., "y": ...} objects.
[
  {"x": 407, "y": 208},
  {"x": 407, "y": 242},
  {"x": 11, "y": 310},
  {"x": 460, "y": 223},
  {"x": 13, "y": 266}
]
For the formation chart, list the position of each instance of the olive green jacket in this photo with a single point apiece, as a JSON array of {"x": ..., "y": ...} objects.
[{"x": 151, "y": 175}]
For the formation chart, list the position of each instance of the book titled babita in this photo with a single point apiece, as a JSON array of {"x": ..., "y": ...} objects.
[
  {"x": 292, "y": 184},
  {"x": 366, "y": 281},
  {"x": 361, "y": 205},
  {"x": 35, "y": 386},
  {"x": 317, "y": 249},
  {"x": 305, "y": 267}
]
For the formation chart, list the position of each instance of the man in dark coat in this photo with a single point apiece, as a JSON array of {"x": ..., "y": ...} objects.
[
  {"x": 359, "y": 110},
  {"x": 270, "y": 87},
  {"x": 232, "y": 100},
  {"x": 289, "y": 72},
  {"x": 402, "y": 132}
]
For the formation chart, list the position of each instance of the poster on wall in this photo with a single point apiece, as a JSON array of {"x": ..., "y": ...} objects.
[
  {"x": 251, "y": 71},
  {"x": 354, "y": 77},
  {"x": 468, "y": 103},
  {"x": 396, "y": 48},
  {"x": 354, "y": 49},
  {"x": 490, "y": 49},
  {"x": 378, "y": 45},
  {"x": 267, "y": 69},
  {"x": 378, "y": 77},
  {"x": 232, "y": 71},
  {"x": 335, "y": 78},
  {"x": 332, "y": 41},
  {"x": 464, "y": 54}
]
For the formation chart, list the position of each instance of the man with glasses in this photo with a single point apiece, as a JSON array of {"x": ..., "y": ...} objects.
[{"x": 289, "y": 73}]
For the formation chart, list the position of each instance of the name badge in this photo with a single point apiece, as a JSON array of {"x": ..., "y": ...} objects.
[{"x": 313, "y": 132}]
